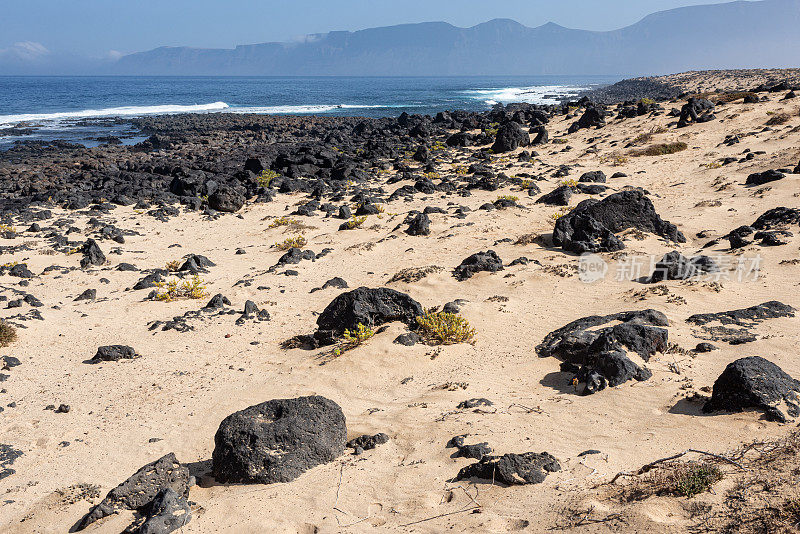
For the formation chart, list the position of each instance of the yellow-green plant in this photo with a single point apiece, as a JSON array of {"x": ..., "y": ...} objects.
[
  {"x": 571, "y": 182},
  {"x": 560, "y": 213},
  {"x": 7, "y": 228},
  {"x": 510, "y": 198},
  {"x": 355, "y": 222},
  {"x": 291, "y": 242},
  {"x": 266, "y": 177},
  {"x": 443, "y": 328},
  {"x": 432, "y": 175},
  {"x": 170, "y": 290},
  {"x": 461, "y": 170},
  {"x": 283, "y": 221},
  {"x": 358, "y": 335}
]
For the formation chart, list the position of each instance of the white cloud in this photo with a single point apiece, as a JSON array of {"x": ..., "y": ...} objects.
[{"x": 25, "y": 51}]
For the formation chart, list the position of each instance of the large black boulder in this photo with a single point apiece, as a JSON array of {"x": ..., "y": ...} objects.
[
  {"x": 781, "y": 216},
  {"x": 510, "y": 136},
  {"x": 754, "y": 382},
  {"x": 591, "y": 226},
  {"x": 278, "y": 440},
  {"x": 761, "y": 178},
  {"x": 419, "y": 225},
  {"x": 92, "y": 255},
  {"x": 226, "y": 199},
  {"x": 598, "y": 356},
  {"x": 370, "y": 307},
  {"x": 512, "y": 469},
  {"x": 141, "y": 488},
  {"x": 480, "y": 261},
  {"x": 593, "y": 117}
]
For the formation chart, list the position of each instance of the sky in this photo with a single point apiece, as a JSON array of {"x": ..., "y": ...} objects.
[{"x": 109, "y": 28}]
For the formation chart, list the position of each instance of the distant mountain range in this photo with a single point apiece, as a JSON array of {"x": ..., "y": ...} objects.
[{"x": 731, "y": 35}]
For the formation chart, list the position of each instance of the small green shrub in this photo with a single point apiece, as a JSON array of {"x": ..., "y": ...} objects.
[
  {"x": 283, "y": 221},
  {"x": 355, "y": 222},
  {"x": 194, "y": 288},
  {"x": 695, "y": 479},
  {"x": 291, "y": 242},
  {"x": 358, "y": 335},
  {"x": 444, "y": 328},
  {"x": 510, "y": 198},
  {"x": 266, "y": 177},
  {"x": 8, "y": 334}
]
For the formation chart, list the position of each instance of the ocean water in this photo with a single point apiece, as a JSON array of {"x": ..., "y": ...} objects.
[{"x": 81, "y": 109}]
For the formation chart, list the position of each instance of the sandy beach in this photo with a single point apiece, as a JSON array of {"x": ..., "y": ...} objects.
[{"x": 172, "y": 398}]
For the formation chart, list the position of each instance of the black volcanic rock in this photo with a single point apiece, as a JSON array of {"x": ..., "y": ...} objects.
[
  {"x": 598, "y": 356},
  {"x": 278, "y": 440},
  {"x": 757, "y": 383},
  {"x": 370, "y": 307},
  {"x": 138, "y": 491},
  {"x": 512, "y": 469},
  {"x": 480, "y": 261},
  {"x": 510, "y": 136},
  {"x": 591, "y": 226}
]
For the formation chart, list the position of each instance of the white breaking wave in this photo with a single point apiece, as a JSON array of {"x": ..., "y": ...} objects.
[
  {"x": 538, "y": 94},
  {"x": 215, "y": 107},
  {"x": 127, "y": 111},
  {"x": 303, "y": 109}
]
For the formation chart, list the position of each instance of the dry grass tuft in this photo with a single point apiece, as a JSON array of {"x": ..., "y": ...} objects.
[
  {"x": 8, "y": 334},
  {"x": 661, "y": 149}
]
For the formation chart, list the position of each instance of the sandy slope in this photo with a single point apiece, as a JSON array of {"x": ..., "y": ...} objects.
[{"x": 186, "y": 383}]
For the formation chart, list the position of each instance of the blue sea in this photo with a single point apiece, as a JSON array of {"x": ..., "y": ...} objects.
[{"x": 81, "y": 109}]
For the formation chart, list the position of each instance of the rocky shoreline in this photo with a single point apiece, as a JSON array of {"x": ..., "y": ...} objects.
[{"x": 469, "y": 321}]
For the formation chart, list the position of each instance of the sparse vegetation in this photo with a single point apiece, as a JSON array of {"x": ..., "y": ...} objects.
[
  {"x": 432, "y": 175},
  {"x": 291, "y": 242},
  {"x": 568, "y": 182},
  {"x": 8, "y": 334},
  {"x": 193, "y": 288},
  {"x": 678, "y": 479},
  {"x": 509, "y": 198},
  {"x": 355, "y": 222},
  {"x": 283, "y": 221},
  {"x": 559, "y": 141},
  {"x": 358, "y": 335},
  {"x": 7, "y": 228},
  {"x": 442, "y": 328},
  {"x": 173, "y": 266},
  {"x": 266, "y": 177},
  {"x": 560, "y": 213},
  {"x": 661, "y": 149},
  {"x": 614, "y": 159},
  {"x": 778, "y": 119},
  {"x": 461, "y": 171}
]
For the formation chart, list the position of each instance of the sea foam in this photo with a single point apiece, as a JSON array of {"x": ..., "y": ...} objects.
[
  {"x": 126, "y": 111},
  {"x": 532, "y": 95}
]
